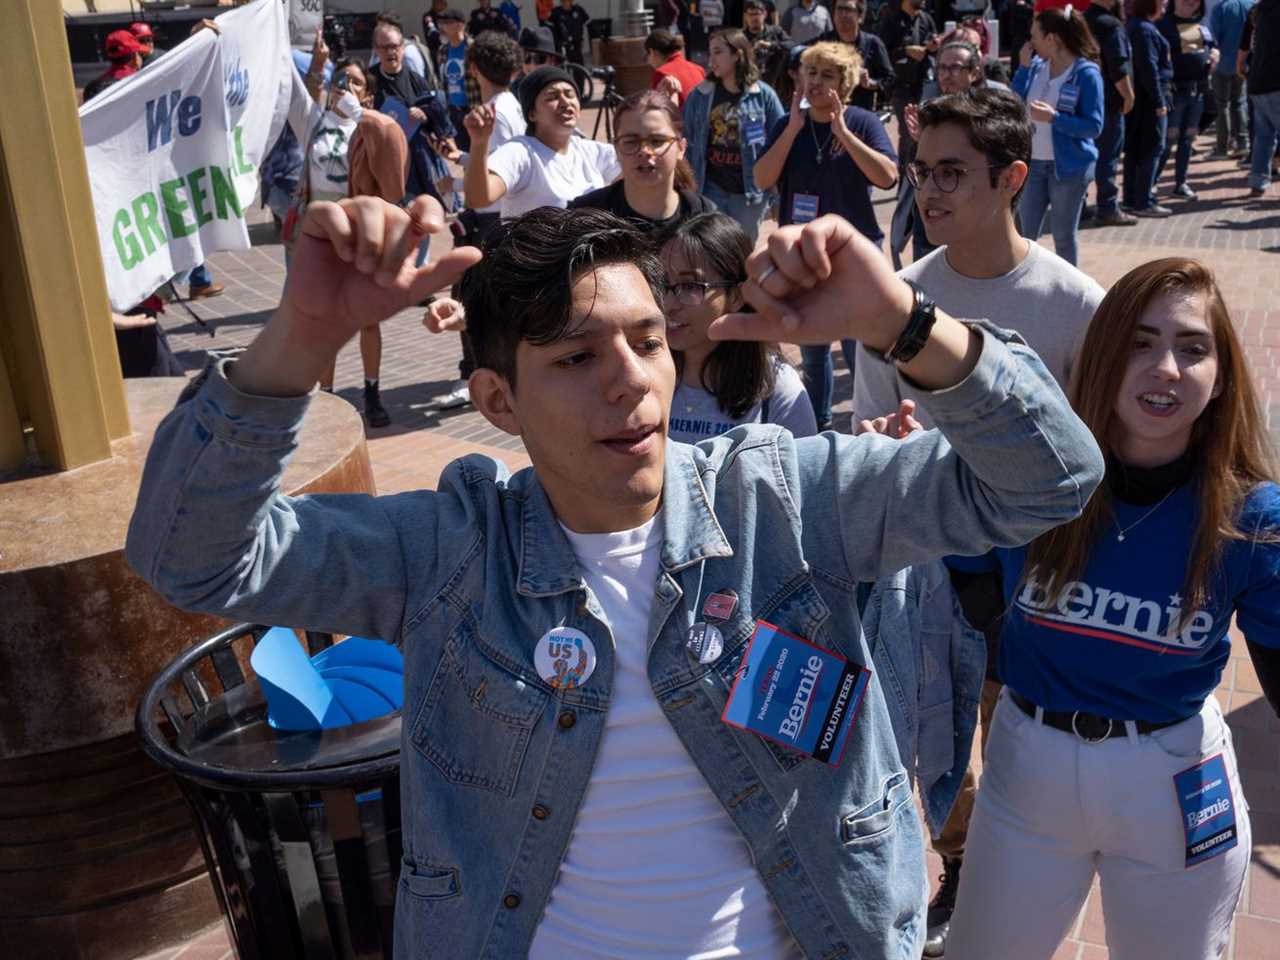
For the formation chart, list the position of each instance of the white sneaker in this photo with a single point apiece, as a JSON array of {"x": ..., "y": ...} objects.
[{"x": 458, "y": 396}]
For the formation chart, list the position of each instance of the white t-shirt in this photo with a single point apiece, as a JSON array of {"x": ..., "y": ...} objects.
[
  {"x": 655, "y": 867},
  {"x": 696, "y": 414},
  {"x": 330, "y": 141},
  {"x": 1046, "y": 88},
  {"x": 1044, "y": 298},
  {"x": 508, "y": 123},
  {"x": 537, "y": 176}
]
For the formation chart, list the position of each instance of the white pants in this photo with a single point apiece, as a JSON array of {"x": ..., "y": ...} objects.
[{"x": 1053, "y": 809}]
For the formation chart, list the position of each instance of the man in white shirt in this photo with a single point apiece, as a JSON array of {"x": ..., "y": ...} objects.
[
  {"x": 493, "y": 60},
  {"x": 971, "y": 162}
]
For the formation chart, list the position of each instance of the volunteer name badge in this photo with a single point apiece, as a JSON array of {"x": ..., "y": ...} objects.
[
  {"x": 565, "y": 658},
  {"x": 1208, "y": 809},
  {"x": 753, "y": 132},
  {"x": 797, "y": 694},
  {"x": 1068, "y": 97},
  {"x": 804, "y": 207}
]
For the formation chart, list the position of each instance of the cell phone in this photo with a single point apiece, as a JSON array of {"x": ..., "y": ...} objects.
[{"x": 342, "y": 81}]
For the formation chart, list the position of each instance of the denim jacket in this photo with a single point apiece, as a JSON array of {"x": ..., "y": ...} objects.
[
  {"x": 930, "y": 664},
  {"x": 759, "y": 102},
  {"x": 1074, "y": 131},
  {"x": 494, "y": 761}
]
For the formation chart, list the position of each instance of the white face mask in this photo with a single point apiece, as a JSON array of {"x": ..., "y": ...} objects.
[{"x": 348, "y": 106}]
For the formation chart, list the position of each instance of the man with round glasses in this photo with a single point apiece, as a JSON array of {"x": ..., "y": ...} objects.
[{"x": 972, "y": 159}]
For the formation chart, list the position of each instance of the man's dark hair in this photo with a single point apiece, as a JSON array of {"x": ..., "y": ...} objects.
[
  {"x": 995, "y": 120},
  {"x": 1145, "y": 9},
  {"x": 391, "y": 19},
  {"x": 496, "y": 56},
  {"x": 523, "y": 288},
  {"x": 664, "y": 42},
  {"x": 975, "y": 58}
]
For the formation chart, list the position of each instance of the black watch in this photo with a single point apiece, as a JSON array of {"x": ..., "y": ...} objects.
[{"x": 924, "y": 314}]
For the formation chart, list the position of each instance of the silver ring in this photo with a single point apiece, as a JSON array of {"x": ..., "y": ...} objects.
[{"x": 769, "y": 271}]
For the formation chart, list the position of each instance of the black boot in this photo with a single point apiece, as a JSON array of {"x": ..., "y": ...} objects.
[
  {"x": 374, "y": 411},
  {"x": 941, "y": 907}
]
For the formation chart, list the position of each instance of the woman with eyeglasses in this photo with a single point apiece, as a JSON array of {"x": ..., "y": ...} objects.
[
  {"x": 1062, "y": 86},
  {"x": 546, "y": 167},
  {"x": 1109, "y": 756},
  {"x": 727, "y": 119},
  {"x": 656, "y": 190},
  {"x": 723, "y": 383},
  {"x": 825, "y": 159}
]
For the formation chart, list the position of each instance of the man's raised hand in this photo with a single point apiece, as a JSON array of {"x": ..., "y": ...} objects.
[
  {"x": 352, "y": 267},
  {"x": 824, "y": 281},
  {"x": 816, "y": 283}
]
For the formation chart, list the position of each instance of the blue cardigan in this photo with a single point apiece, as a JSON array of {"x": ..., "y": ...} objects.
[{"x": 1073, "y": 131}]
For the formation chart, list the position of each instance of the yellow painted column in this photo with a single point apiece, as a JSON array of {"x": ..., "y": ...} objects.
[{"x": 61, "y": 373}]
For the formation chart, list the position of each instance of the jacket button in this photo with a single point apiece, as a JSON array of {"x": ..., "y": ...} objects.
[
  {"x": 540, "y": 812},
  {"x": 511, "y": 901},
  {"x": 567, "y": 719}
]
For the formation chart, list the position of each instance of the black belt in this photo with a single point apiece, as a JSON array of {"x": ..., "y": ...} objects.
[{"x": 1087, "y": 726}]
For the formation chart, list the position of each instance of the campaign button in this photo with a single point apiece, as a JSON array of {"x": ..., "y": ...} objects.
[
  {"x": 565, "y": 658},
  {"x": 720, "y": 606},
  {"x": 705, "y": 643}
]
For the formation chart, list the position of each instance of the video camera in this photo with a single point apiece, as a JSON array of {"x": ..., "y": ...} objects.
[
  {"x": 335, "y": 38},
  {"x": 604, "y": 73}
]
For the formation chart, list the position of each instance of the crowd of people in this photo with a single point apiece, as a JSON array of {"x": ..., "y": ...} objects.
[{"x": 1042, "y": 523}]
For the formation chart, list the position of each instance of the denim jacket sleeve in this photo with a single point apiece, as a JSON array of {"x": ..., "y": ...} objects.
[
  {"x": 1087, "y": 120},
  {"x": 1009, "y": 460},
  {"x": 213, "y": 533}
]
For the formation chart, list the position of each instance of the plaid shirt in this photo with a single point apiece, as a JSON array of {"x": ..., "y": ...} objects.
[{"x": 473, "y": 85}]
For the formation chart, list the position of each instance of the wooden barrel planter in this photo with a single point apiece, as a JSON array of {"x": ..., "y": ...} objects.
[{"x": 98, "y": 855}]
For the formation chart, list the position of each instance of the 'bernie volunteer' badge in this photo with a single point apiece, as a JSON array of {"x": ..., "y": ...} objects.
[
  {"x": 565, "y": 658},
  {"x": 797, "y": 694},
  {"x": 1208, "y": 813}
]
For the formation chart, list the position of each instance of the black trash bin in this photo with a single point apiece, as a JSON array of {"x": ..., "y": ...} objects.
[{"x": 301, "y": 831}]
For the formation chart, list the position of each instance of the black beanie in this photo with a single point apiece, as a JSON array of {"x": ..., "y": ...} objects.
[{"x": 532, "y": 83}]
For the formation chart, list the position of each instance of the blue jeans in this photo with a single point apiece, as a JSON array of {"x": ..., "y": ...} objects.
[
  {"x": 749, "y": 215},
  {"x": 1143, "y": 147},
  {"x": 1044, "y": 191},
  {"x": 1183, "y": 123},
  {"x": 1109, "y": 144},
  {"x": 819, "y": 375},
  {"x": 1266, "y": 128}
]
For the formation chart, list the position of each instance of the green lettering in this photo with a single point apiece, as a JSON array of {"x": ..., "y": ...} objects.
[
  {"x": 174, "y": 207},
  {"x": 224, "y": 194},
  {"x": 146, "y": 218},
  {"x": 127, "y": 247},
  {"x": 241, "y": 164},
  {"x": 198, "y": 196}
]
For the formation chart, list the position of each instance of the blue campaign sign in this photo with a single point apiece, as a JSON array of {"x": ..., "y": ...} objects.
[
  {"x": 795, "y": 693},
  {"x": 1208, "y": 809}
]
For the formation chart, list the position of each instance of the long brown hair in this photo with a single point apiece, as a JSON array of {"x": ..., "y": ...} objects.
[
  {"x": 1229, "y": 442},
  {"x": 1072, "y": 29},
  {"x": 745, "y": 71},
  {"x": 647, "y": 100}
]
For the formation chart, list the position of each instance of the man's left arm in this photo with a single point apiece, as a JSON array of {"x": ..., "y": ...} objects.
[{"x": 1010, "y": 458}]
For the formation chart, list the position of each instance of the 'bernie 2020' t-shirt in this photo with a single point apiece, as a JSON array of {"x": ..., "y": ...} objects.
[
  {"x": 696, "y": 414},
  {"x": 1116, "y": 643}
]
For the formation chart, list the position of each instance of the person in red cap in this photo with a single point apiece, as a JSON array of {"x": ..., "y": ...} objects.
[
  {"x": 124, "y": 56},
  {"x": 144, "y": 35}
]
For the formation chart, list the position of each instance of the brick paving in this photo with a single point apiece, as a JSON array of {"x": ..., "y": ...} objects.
[{"x": 1238, "y": 237}]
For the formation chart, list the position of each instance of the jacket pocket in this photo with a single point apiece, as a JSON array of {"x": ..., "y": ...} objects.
[
  {"x": 878, "y": 816},
  {"x": 429, "y": 883},
  {"x": 476, "y": 719}
]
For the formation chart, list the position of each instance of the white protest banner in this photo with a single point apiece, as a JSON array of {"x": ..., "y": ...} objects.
[
  {"x": 258, "y": 65},
  {"x": 162, "y": 171}
]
